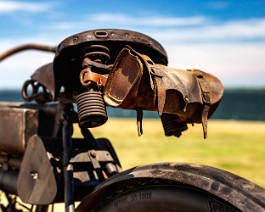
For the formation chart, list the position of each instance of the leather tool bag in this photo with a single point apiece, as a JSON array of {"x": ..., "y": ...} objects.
[{"x": 136, "y": 82}]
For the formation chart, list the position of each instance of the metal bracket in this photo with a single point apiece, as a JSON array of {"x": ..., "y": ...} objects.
[{"x": 93, "y": 156}]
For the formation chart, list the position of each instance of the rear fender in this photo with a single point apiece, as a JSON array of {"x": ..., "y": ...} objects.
[{"x": 236, "y": 190}]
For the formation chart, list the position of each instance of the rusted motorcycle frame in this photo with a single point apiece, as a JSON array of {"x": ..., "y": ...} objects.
[{"x": 42, "y": 164}]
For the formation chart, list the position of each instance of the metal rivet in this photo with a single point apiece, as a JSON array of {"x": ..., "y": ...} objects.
[
  {"x": 93, "y": 153},
  {"x": 75, "y": 39},
  {"x": 34, "y": 175}
]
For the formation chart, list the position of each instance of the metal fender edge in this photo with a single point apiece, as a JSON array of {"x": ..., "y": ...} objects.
[{"x": 234, "y": 189}]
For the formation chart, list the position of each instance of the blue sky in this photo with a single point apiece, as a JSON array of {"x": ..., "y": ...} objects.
[{"x": 226, "y": 38}]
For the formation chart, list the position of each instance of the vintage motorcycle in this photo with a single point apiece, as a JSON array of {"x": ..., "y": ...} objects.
[{"x": 42, "y": 164}]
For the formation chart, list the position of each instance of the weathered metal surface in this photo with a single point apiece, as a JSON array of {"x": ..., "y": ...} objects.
[
  {"x": 44, "y": 76},
  {"x": 37, "y": 183},
  {"x": 70, "y": 52},
  {"x": 236, "y": 190},
  {"x": 49, "y": 117},
  {"x": 99, "y": 155},
  {"x": 17, "y": 125},
  {"x": 113, "y": 37}
]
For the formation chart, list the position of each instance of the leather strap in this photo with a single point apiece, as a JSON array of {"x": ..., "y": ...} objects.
[
  {"x": 86, "y": 76},
  {"x": 161, "y": 93},
  {"x": 139, "y": 121},
  {"x": 205, "y": 112}
]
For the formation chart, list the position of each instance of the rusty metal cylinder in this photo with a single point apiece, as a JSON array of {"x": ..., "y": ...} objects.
[
  {"x": 172, "y": 126},
  {"x": 14, "y": 162},
  {"x": 91, "y": 109},
  {"x": 90, "y": 103}
]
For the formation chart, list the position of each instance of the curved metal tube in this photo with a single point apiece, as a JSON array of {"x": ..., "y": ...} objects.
[{"x": 27, "y": 47}]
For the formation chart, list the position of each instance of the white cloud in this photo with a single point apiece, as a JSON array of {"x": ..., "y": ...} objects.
[
  {"x": 150, "y": 21},
  {"x": 18, "y": 68},
  {"x": 192, "y": 42},
  {"x": 172, "y": 29},
  {"x": 122, "y": 21},
  {"x": 7, "y": 7},
  {"x": 235, "y": 64},
  {"x": 236, "y": 31}
]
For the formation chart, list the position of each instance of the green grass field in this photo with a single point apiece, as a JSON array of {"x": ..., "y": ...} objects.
[{"x": 235, "y": 146}]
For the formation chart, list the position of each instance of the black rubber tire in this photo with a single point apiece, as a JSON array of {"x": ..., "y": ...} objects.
[
  {"x": 159, "y": 196},
  {"x": 217, "y": 190}
]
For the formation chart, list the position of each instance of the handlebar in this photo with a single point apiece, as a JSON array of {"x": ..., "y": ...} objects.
[{"x": 15, "y": 50}]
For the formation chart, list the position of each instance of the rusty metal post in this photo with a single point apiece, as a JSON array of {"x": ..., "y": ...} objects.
[{"x": 67, "y": 167}]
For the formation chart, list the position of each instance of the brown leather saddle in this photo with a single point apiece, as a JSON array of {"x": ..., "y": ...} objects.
[{"x": 179, "y": 96}]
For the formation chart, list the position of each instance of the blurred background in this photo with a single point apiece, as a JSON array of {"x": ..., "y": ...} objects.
[{"x": 226, "y": 38}]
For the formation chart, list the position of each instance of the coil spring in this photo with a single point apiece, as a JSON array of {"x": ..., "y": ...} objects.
[
  {"x": 91, "y": 109},
  {"x": 172, "y": 126},
  {"x": 98, "y": 53},
  {"x": 90, "y": 104}
]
